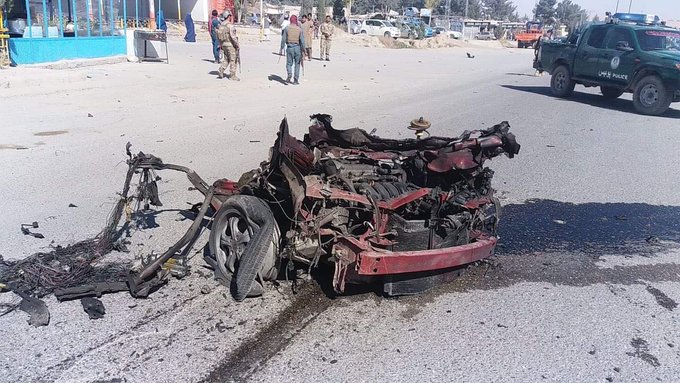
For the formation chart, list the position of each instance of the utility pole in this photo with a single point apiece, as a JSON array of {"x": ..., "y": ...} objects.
[
  {"x": 466, "y": 8},
  {"x": 617, "y": 6},
  {"x": 630, "y": 5}
]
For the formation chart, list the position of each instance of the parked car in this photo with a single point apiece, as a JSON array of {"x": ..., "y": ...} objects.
[
  {"x": 448, "y": 33},
  {"x": 407, "y": 31},
  {"x": 418, "y": 24},
  {"x": 485, "y": 36},
  {"x": 374, "y": 27}
]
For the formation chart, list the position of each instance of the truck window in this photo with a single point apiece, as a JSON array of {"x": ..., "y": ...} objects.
[
  {"x": 615, "y": 35},
  {"x": 596, "y": 38},
  {"x": 665, "y": 39}
]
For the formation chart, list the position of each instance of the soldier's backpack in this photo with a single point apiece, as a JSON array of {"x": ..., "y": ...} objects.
[{"x": 223, "y": 33}]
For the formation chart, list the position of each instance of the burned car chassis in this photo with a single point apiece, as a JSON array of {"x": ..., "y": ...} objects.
[{"x": 401, "y": 212}]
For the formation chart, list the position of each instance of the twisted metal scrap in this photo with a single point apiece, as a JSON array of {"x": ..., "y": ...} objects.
[{"x": 41, "y": 273}]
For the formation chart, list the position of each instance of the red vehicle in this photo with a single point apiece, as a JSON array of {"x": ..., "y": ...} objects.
[
  {"x": 404, "y": 213},
  {"x": 530, "y": 36}
]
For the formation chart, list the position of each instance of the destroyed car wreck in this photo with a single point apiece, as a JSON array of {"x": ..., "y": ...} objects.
[{"x": 402, "y": 213}]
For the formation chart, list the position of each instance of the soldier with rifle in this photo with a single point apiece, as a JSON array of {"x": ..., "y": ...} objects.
[{"x": 230, "y": 46}]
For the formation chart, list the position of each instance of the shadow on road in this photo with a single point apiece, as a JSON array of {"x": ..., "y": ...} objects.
[
  {"x": 621, "y": 228},
  {"x": 620, "y": 105},
  {"x": 277, "y": 78}
]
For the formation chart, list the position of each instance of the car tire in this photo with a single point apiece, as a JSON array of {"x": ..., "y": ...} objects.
[
  {"x": 387, "y": 34},
  {"x": 651, "y": 97},
  {"x": 363, "y": 32},
  {"x": 243, "y": 245},
  {"x": 611, "y": 92},
  {"x": 561, "y": 83},
  {"x": 520, "y": 44}
]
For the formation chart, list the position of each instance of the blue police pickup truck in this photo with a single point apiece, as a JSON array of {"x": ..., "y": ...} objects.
[{"x": 629, "y": 53}]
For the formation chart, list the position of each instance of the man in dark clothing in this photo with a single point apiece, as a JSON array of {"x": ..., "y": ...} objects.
[
  {"x": 292, "y": 38},
  {"x": 212, "y": 29},
  {"x": 190, "y": 37}
]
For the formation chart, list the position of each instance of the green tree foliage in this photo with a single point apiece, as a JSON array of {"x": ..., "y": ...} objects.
[
  {"x": 545, "y": 11},
  {"x": 570, "y": 14},
  {"x": 338, "y": 9},
  {"x": 474, "y": 8},
  {"x": 321, "y": 9},
  {"x": 498, "y": 9}
]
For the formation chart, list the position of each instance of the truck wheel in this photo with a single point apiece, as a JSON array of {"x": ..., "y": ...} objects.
[
  {"x": 561, "y": 83},
  {"x": 611, "y": 92},
  {"x": 243, "y": 244},
  {"x": 651, "y": 96}
]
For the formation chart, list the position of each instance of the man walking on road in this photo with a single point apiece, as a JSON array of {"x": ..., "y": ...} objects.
[
  {"x": 293, "y": 40},
  {"x": 326, "y": 35},
  {"x": 212, "y": 30},
  {"x": 227, "y": 35},
  {"x": 307, "y": 29}
]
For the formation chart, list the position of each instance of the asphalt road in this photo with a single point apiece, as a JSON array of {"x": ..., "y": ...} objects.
[{"x": 583, "y": 287}]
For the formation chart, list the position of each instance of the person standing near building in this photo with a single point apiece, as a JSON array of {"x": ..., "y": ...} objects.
[
  {"x": 212, "y": 30},
  {"x": 230, "y": 46},
  {"x": 327, "y": 30},
  {"x": 307, "y": 29},
  {"x": 293, "y": 40}
]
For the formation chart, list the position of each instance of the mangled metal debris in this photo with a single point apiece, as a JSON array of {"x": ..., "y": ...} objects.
[{"x": 403, "y": 213}]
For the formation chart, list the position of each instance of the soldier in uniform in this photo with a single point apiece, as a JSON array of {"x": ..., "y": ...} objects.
[
  {"x": 230, "y": 46},
  {"x": 293, "y": 40},
  {"x": 326, "y": 35},
  {"x": 307, "y": 29}
]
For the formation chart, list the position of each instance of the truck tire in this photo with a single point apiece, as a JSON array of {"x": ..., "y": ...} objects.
[
  {"x": 243, "y": 245},
  {"x": 561, "y": 83},
  {"x": 611, "y": 92},
  {"x": 651, "y": 97}
]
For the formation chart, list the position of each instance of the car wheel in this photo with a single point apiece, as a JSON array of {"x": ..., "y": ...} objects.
[
  {"x": 520, "y": 44},
  {"x": 387, "y": 34},
  {"x": 243, "y": 245},
  {"x": 411, "y": 36},
  {"x": 651, "y": 97},
  {"x": 561, "y": 83},
  {"x": 611, "y": 92},
  {"x": 363, "y": 32}
]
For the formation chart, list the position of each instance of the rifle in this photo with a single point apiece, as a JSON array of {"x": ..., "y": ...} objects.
[{"x": 238, "y": 59}]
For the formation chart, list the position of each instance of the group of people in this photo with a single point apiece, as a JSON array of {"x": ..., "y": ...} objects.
[{"x": 296, "y": 40}]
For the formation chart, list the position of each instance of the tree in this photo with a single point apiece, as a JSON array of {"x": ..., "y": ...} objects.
[
  {"x": 431, "y": 4},
  {"x": 545, "y": 11},
  {"x": 570, "y": 14},
  {"x": 338, "y": 9},
  {"x": 499, "y": 9},
  {"x": 474, "y": 8},
  {"x": 320, "y": 9}
]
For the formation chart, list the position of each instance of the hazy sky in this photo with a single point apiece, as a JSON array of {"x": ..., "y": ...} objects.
[{"x": 665, "y": 9}]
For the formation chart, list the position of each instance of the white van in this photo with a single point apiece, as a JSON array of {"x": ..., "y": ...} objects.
[{"x": 374, "y": 27}]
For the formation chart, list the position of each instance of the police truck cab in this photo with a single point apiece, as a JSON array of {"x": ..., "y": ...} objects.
[{"x": 629, "y": 53}]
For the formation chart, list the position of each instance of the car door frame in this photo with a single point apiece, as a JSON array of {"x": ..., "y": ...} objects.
[
  {"x": 617, "y": 67},
  {"x": 587, "y": 59}
]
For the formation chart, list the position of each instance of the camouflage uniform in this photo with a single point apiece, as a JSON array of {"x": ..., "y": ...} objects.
[
  {"x": 229, "y": 41},
  {"x": 326, "y": 35}
]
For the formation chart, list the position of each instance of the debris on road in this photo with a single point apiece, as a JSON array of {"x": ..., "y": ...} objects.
[
  {"x": 37, "y": 310},
  {"x": 93, "y": 307},
  {"x": 25, "y": 230}
]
